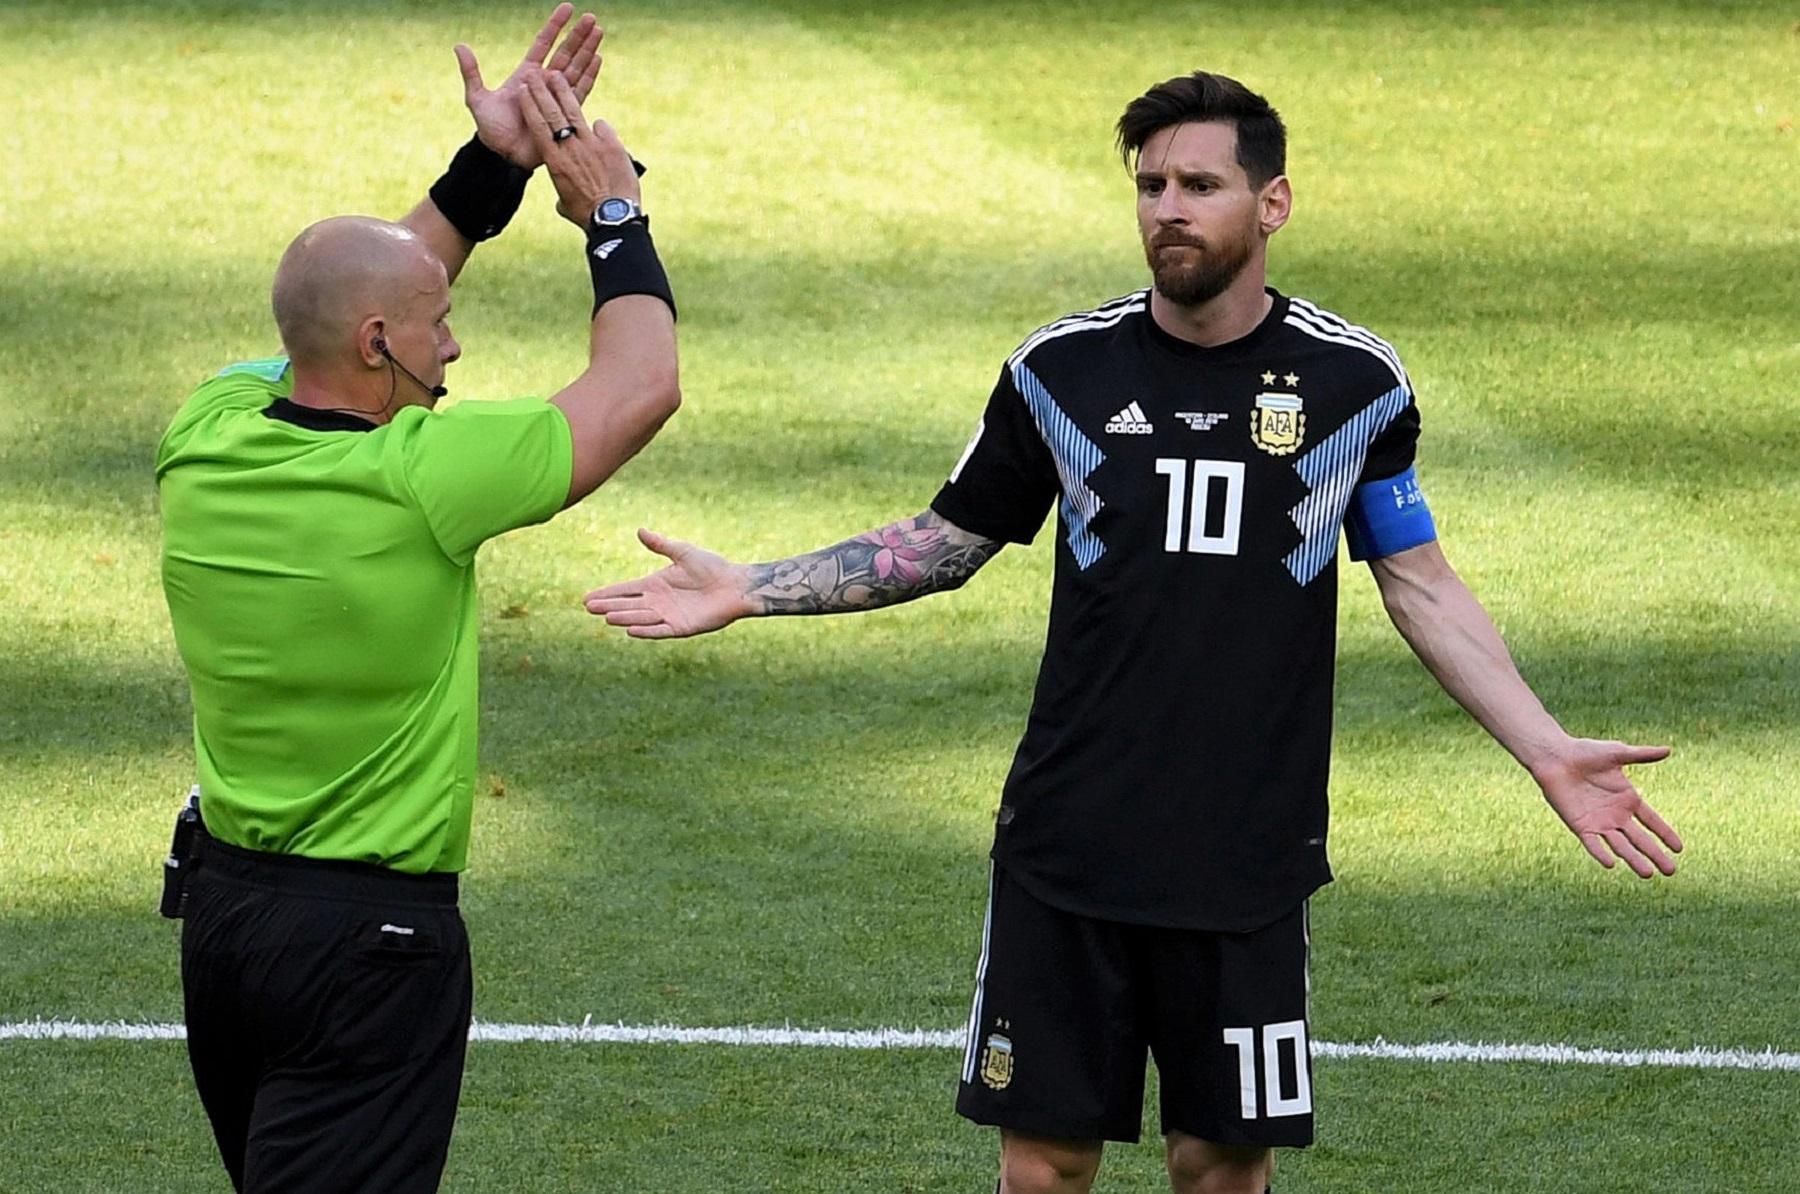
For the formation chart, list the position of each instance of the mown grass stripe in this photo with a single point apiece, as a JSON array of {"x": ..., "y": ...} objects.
[{"x": 586, "y": 1033}]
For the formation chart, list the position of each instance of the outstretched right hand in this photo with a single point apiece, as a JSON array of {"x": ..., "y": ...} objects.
[{"x": 699, "y": 591}]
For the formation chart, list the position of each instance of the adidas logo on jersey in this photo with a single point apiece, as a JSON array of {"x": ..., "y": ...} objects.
[{"x": 1130, "y": 421}]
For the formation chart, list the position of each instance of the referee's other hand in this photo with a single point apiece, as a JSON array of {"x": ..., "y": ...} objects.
[
  {"x": 588, "y": 164},
  {"x": 496, "y": 112}
]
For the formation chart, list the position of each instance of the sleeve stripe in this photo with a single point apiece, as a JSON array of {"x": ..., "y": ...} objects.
[
  {"x": 1321, "y": 325},
  {"x": 1104, "y": 316},
  {"x": 1332, "y": 321},
  {"x": 980, "y": 430}
]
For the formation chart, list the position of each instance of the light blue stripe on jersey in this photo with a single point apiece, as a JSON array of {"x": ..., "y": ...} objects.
[
  {"x": 269, "y": 368},
  {"x": 1076, "y": 458},
  {"x": 1330, "y": 471},
  {"x": 1386, "y": 517}
]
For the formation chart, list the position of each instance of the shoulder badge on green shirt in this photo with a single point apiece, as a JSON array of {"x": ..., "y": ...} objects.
[{"x": 269, "y": 368}]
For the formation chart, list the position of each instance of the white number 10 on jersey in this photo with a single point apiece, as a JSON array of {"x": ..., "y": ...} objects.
[{"x": 1209, "y": 496}]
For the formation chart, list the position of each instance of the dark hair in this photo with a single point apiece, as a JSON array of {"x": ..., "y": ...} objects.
[{"x": 1261, "y": 137}]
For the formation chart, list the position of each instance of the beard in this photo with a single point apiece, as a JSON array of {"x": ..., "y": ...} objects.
[{"x": 1197, "y": 277}]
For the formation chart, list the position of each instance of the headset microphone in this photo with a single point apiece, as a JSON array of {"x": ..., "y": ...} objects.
[{"x": 379, "y": 344}]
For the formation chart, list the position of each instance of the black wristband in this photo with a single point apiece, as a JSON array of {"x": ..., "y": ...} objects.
[
  {"x": 480, "y": 191},
  {"x": 622, "y": 259}
]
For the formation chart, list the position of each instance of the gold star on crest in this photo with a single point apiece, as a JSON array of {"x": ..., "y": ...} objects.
[
  {"x": 1293, "y": 379},
  {"x": 1268, "y": 378}
]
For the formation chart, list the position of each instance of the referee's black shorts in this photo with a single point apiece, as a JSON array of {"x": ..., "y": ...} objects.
[
  {"x": 1066, "y": 1008},
  {"x": 327, "y": 1017}
]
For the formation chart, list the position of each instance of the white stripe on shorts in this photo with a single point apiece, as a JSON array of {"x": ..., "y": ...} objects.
[
  {"x": 973, "y": 1032},
  {"x": 1306, "y": 965}
]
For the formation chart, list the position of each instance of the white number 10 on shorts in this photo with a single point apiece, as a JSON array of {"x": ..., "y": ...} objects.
[{"x": 1276, "y": 1100}]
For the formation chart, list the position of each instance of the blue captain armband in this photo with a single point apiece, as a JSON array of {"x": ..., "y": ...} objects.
[{"x": 1388, "y": 516}]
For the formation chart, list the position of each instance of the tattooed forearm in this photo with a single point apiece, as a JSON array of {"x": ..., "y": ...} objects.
[{"x": 900, "y": 562}]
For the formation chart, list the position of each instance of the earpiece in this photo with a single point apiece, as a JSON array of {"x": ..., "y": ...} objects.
[{"x": 379, "y": 344}]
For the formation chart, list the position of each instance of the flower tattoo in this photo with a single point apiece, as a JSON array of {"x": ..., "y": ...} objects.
[
  {"x": 899, "y": 562},
  {"x": 902, "y": 550}
]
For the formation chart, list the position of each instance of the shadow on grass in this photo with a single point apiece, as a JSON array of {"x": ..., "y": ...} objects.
[
  {"x": 82, "y": 424},
  {"x": 58, "y": 708},
  {"x": 768, "y": 913},
  {"x": 659, "y": 1120},
  {"x": 254, "y": 11},
  {"x": 798, "y": 871},
  {"x": 800, "y": 692}
]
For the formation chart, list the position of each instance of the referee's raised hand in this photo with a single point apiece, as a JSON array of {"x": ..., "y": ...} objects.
[
  {"x": 496, "y": 112},
  {"x": 587, "y": 162}
]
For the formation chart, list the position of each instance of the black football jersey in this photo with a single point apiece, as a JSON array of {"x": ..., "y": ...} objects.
[{"x": 1173, "y": 768}]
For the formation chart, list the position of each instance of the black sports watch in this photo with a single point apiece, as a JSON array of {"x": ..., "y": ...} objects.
[{"x": 610, "y": 213}]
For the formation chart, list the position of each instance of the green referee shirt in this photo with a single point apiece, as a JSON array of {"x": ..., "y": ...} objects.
[{"x": 321, "y": 582}]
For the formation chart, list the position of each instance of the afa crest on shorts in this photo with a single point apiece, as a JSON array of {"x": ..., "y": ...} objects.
[
  {"x": 997, "y": 1062},
  {"x": 1278, "y": 423}
]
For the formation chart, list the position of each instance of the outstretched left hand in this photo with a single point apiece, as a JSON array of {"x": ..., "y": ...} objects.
[
  {"x": 1587, "y": 787},
  {"x": 496, "y": 112}
]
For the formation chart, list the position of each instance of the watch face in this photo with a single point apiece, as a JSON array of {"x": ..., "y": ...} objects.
[{"x": 614, "y": 210}]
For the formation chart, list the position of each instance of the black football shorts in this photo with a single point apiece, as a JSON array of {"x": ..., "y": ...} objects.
[
  {"x": 327, "y": 1015},
  {"x": 1066, "y": 1008}
]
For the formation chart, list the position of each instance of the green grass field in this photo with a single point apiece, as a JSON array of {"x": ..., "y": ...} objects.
[{"x": 1580, "y": 225}]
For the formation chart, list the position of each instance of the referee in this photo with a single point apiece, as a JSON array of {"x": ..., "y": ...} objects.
[
  {"x": 321, "y": 521},
  {"x": 1205, "y": 441}
]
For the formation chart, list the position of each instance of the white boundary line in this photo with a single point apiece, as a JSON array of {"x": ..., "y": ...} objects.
[{"x": 588, "y": 1033}]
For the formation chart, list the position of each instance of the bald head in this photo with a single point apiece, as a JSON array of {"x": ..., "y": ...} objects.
[{"x": 343, "y": 271}]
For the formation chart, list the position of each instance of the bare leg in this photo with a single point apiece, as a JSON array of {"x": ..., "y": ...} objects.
[
  {"x": 1199, "y": 1166},
  {"x": 1036, "y": 1165}
]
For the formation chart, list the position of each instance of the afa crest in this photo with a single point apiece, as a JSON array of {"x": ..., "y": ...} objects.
[
  {"x": 1278, "y": 424},
  {"x": 997, "y": 1062}
]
